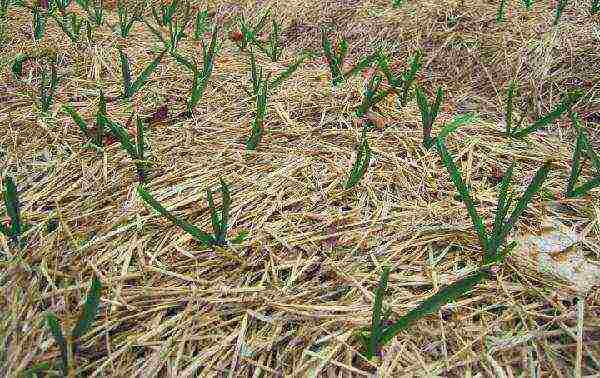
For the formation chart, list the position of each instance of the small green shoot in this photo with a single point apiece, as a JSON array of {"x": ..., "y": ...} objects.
[
  {"x": 39, "y": 23},
  {"x": 249, "y": 34},
  {"x": 371, "y": 339},
  {"x": 96, "y": 135},
  {"x": 372, "y": 95},
  {"x": 274, "y": 49},
  {"x": 560, "y": 7},
  {"x": 527, "y": 3},
  {"x": 564, "y": 106},
  {"x": 71, "y": 25},
  {"x": 335, "y": 60},
  {"x": 404, "y": 84},
  {"x": 135, "y": 149},
  {"x": 429, "y": 113},
  {"x": 595, "y": 6},
  {"x": 66, "y": 344},
  {"x": 14, "y": 229},
  {"x": 361, "y": 163},
  {"x": 47, "y": 85},
  {"x": 501, "y": 226},
  {"x": 261, "y": 86},
  {"x": 127, "y": 20},
  {"x": 201, "y": 25},
  {"x": 129, "y": 87},
  {"x": 219, "y": 223},
  {"x": 95, "y": 11},
  {"x": 167, "y": 12},
  {"x": 582, "y": 146},
  {"x": 501, "y": 14}
]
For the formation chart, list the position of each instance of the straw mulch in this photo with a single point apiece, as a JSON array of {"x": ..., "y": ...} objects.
[{"x": 289, "y": 300}]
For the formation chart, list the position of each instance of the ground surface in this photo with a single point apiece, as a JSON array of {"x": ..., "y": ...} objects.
[{"x": 288, "y": 301}]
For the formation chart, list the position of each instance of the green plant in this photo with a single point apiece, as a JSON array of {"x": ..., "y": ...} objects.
[
  {"x": 564, "y": 106},
  {"x": 289, "y": 71},
  {"x": 361, "y": 163},
  {"x": 501, "y": 14},
  {"x": 167, "y": 12},
  {"x": 67, "y": 343},
  {"x": 249, "y": 33},
  {"x": 560, "y": 7},
  {"x": 219, "y": 223},
  {"x": 201, "y": 24},
  {"x": 201, "y": 77},
  {"x": 135, "y": 149},
  {"x": 398, "y": 3},
  {"x": 62, "y": 5},
  {"x": 595, "y": 6},
  {"x": 94, "y": 10},
  {"x": 371, "y": 95},
  {"x": 528, "y": 4},
  {"x": 379, "y": 335},
  {"x": 127, "y": 20},
  {"x": 47, "y": 85},
  {"x": 429, "y": 113},
  {"x": 129, "y": 87},
  {"x": 335, "y": 59},
  {"x": 95, "y": 135},
  {"x": 71, "y": 25},
  {"x": 274, "y": 49},
  {"x": 261, "y": 88},
  {"x": 582, "y": 146},
  {"x": 14, "y": 229},
  {"x": 39, "y": 23}
]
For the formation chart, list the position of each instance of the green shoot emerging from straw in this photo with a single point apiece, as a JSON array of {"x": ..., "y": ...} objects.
[
  {"x": 94, "y": 135},
  {"x": 249, "y": 34},
  {"x": 129, "y": 87},
  {"x": 14, "y": 229},
  {"x": 595, "y": 6},
  {"x": 39, "y": 23},
  {"x": 167, "y": 12},
  {"x": 582, "y": 146},
  {"x": 361, "y": 163},
  {"x": 429, "y": 113},
  {"x": 201, "y": 77},
  {"x": 95, "y": 11},
  {"x": 528, "y": 4},
  {"x": 372, "y": 96},
  {"x": 127, "y": 20},
  {"x": 261, "y": 86},
  {"x": 560, "y": 7},
  {"x": 135, "y": 149},
  {"x": 404, "y": 84},
  {"x": 335, "y": 59},
  {"x": 47, "y": 85},
  {"x": 564, "y": 106},
  {"x": 219, "y": 223},
  {"x": 71, "y": 25},
  {"x": 201, "y": 25},
  {"x": 379, "y": 335},
  {"x": 67, "y": 343},
  {"x": 501, "y": 14}
]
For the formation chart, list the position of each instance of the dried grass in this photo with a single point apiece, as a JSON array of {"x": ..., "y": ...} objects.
[{"x": 288, "y": 301}]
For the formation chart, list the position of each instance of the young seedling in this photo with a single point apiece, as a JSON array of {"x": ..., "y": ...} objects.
[
  {"x": 274, "y": 50},
  {"x": 201, "y": 24},
  {"x": 429, "y": 113},
  {"x": 47, "y": 85},
  {"x": 380, "y": 335},
  {"x": 167, "y": 12},
  {"x": 201, "y": 77},
  {"x": 95, "y": 11},
  {"x": 527, "y": 3},
  {"x": 62, "y": 5},
  {"x": 397, "y": 3},
  {"x": 289, "y": 71},
  {"x": 261, "y": 88},
  {"x": 129, "y": 87},
  {"x": 71, "y": 25},
  {"x": 39, "y": 23},
  {"x": 95, "y": 136},
  {"x": 14, "y": 229},
  {"x": 501, "y": 14},
  {"x": 595, "y": 6},
  {"x": 135, "y": 149},
  {"x": 127, "y": 20},
  {"x": 361, "y": 163},
  {"x": 219, "y": 223},
  {"x": 372, "y": 95},
  {"x": 560, "y": 7},
  {"x": 564, "y": 106},
  {"x": 371, "y": 338},
  {"x": 404, "y": 84},
  {"x": 582, "y": 146},
  {"x": 177, "y": 28},
  {"x": 247, "y": 35},
  {"x": 67, "y": 343},
  {"x": 335, "y": 60}
]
